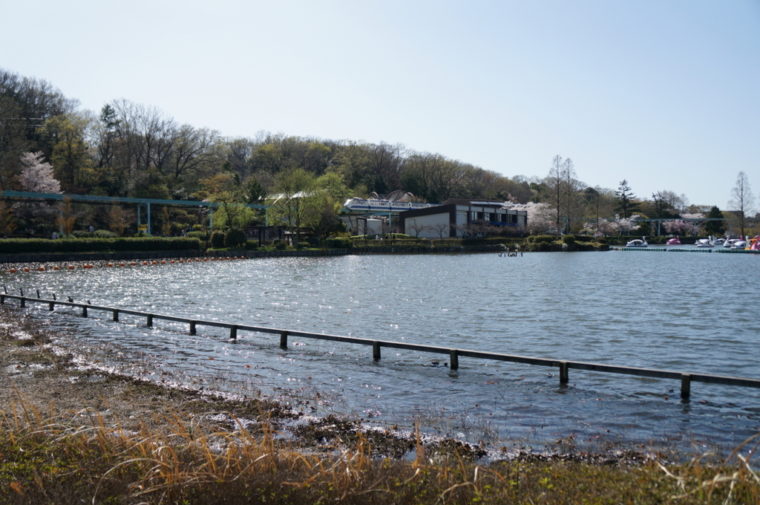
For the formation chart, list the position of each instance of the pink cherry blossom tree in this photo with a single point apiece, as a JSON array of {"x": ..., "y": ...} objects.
[
  {"x": 37, "y": 176},
  {"x": 680, "y": 227},
  {"x": 541, "y": 218}
]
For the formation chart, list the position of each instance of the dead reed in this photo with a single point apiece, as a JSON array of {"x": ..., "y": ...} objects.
[{"x": 63, "y": 461}]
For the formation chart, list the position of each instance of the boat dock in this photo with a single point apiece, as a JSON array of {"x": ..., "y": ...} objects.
[{"x": 718, "y": 250}]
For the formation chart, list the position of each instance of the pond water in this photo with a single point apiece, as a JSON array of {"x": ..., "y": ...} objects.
[{"x": 684, "y": 312}]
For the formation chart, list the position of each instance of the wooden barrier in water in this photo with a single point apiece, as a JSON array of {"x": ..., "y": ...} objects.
[{"x": 563, "y": 366}]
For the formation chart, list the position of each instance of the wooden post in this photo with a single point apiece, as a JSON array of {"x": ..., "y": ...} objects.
[
  {"x": 685, "y": 386},
  {"x": 192, "y": 328},
  {"x": 149, "y": 322},
  {"x": 563, "y": 373},
  {"x": 38, "y": 294},
  {"x": 376, "y": 351},
  {"x": 23, "y": 302},
  {"x": 454, "y": 359},
  {"x": 51, "y": 306},
  {"x": 2, "y": 299},
  {"x": 284, "y": 340},
  {"x": 233, "y": 332},
  {"x": 84, "y": 310},
  {"x": 115, "y": 315}
]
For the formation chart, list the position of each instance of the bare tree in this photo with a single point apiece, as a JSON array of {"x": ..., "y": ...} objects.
[
  {"x": 385, "y": 163},
  {"x": 573, "y": 203},
  {"x": 554, "y": 182},
  {"x": 142, "y": 144},
  {"x": 564, "y": 191},
  {"x": 417, "y": 228},
  {"x": 7, "y": 219},
  {"x": 117, "y": 220},
  {"x": 432, "y": 176},
  {"x": 441, "y": 228},
  {"x": 742, "y": 199},
  {"x": 67, "y": 217},
  {"x": 191, "y": 149}
]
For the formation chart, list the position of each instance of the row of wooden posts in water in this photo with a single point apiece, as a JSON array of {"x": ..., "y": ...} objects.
[{"x": 563, "y": 366}]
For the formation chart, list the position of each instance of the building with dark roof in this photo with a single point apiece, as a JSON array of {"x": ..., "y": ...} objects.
[{"x": 462, "y": 218}]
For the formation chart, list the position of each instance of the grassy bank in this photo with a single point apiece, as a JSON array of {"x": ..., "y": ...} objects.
[{"x": 54, "y": 460}]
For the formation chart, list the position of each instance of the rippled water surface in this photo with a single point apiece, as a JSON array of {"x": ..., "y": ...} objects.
[{"x": 685, "y": 312}]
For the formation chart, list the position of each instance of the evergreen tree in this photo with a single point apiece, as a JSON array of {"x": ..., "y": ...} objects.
[
  {"x": 626, "y": 199},
  {"x": 715, "y": 227}
]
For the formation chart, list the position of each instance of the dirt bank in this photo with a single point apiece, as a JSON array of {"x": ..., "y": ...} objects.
[
  {"x": 47, "y": 385},
  {"x": 35, "y": 378}
]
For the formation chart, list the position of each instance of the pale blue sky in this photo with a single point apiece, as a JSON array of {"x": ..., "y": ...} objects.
[{"x": 663, "y": 93}]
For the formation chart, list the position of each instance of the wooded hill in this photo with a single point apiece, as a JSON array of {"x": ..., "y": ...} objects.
[
  {"x": 132, "y": 150},
  {"x": 135, "y": 150}
]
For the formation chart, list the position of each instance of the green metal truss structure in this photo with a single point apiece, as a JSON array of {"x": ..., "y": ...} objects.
[{"x": 140, "y": 203}]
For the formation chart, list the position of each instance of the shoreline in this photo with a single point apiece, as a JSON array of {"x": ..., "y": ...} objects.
[
  {"x": 33, "y": 373},
  {"x": 515, "y": 430},
  {"x": 564, "y": 244},
  {"x": 215, "y": 450},
  {"x": 41, "y": 368}
]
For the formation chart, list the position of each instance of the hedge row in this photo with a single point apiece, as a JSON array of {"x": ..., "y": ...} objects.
[
  {"x": 426, "y": 243},
  {"x": 12, "y": 246}
]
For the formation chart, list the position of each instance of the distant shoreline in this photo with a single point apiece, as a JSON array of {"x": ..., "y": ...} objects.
[{"x": 247, "y": 253}]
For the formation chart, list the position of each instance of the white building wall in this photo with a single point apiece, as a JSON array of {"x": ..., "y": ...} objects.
[
  {"x": 430, "y": 226},
  {"x": 374, "y": 227}
]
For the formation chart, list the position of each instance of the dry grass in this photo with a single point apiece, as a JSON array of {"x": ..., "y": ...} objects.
[{"x": 44, "y": 460}]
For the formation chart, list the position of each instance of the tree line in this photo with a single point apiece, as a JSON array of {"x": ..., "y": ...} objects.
[{"x": 132, "y": 150}]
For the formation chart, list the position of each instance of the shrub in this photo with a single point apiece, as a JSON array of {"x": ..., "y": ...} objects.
[
  {"x": 472, "y": 241},
  {"x": 217, "y": 239},
  {"x": 545, "y": 239},
  {"x": 19, "y": 246},
  {"x": 200, "y": 235},
  {"x": 234, "y": 238},
  {"x": 338, "y": 243},
  {"x": 585, "y": 238}
]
